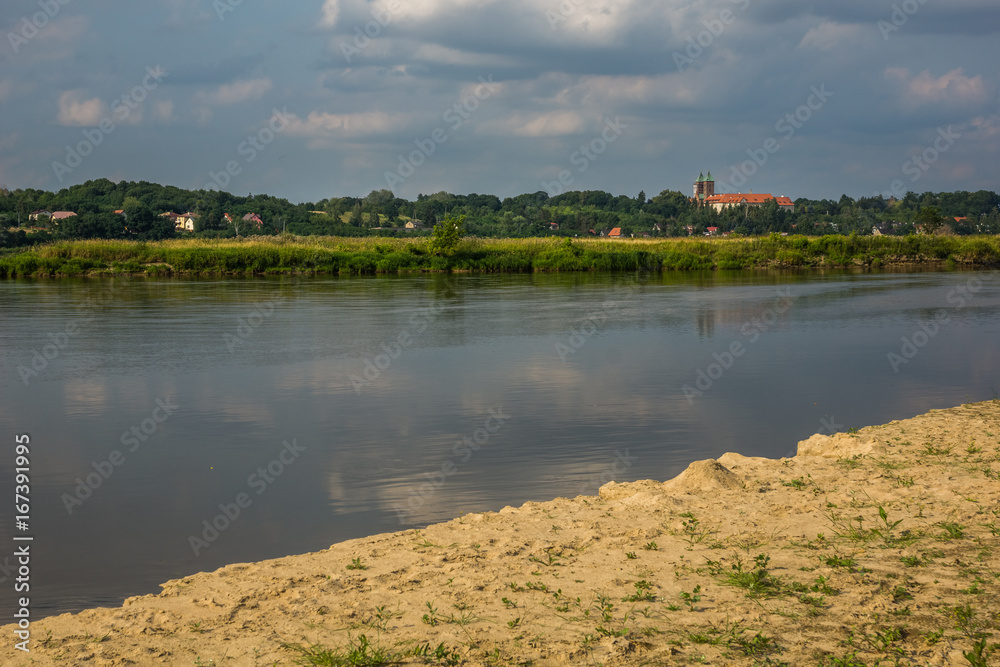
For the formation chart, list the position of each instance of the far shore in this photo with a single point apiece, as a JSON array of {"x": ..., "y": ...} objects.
[
  {"x": 879, "y": 546},
  {"x": 368, "y": 256}
]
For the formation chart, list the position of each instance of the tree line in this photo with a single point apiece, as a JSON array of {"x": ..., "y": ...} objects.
[{"x": 381, "y": 213}]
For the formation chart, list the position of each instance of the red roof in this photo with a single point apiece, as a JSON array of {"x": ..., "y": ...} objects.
[
  {"x": 739, "y": 198},
  {"x": 617, "y": 231},
  {"x": 712, "y": 229},
  {"x": 960, "y": 219}
]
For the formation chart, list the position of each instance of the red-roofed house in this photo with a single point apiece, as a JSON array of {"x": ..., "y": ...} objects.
[
  {"x": 62, "y": 215},
  {"x": 704, "y": 193},
  {"x": 720, "y": 202},
  {"x": 253, "y": 219},
  {"x": 616, "y": 233},
  {"x": 711, "y": 231}
]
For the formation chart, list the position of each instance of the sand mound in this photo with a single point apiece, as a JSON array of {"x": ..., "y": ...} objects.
[
  {"x": 838, "y": 446},
  {"x": 703, "y": 477}
]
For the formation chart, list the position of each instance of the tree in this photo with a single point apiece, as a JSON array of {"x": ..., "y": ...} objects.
[
  {"x": 930, "y": 218},
  {"x": 446, "y": 235},
  {"x": 144, "y": 224}
]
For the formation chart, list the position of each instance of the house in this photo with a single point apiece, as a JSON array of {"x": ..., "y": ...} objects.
[
  {"x": 711, "y": 231},
  {"x": 720, "y": 202},
  {"x": 554, "y": 226},
  {"x": 185, "y": 222},
  {"x": 254, "y": 220},
  {"x": 616, "y": 233},
  {"x": 881, "y": 229},
  {"x": 704, "y": 194},
  {"x": 962, "y": 219},
  {"x": 228, "y": 219},
  {"x": 34, "y": 215},
  {"x": 62, "y": 215},
  {"x": 415, "y": 224},
  {"x": 657, "y": 228},
  {"x": 689, "y": 229},
  {"x": 119, "y": 211},
  {"x": 171, "y": 216}
]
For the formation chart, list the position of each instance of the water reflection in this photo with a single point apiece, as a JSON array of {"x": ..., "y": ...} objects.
[{"x": 390, "y": 454}]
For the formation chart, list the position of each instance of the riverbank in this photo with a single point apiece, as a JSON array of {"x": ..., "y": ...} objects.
[
  {"x": 289, "y": 254},
  {"x": 865, "y": 547}
]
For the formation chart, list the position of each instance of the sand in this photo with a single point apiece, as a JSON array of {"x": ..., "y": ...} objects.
[{"x": 737, "y": 561}]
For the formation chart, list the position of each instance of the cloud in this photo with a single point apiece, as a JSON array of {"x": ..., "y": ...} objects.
[
  {"x": 237, "y": 92},
  {"x": 6, "y": 87},
  {"x": 829, "y": 35},
  {"x": 331, "y": 12},
  {"x": 77, "y": 112},
  {"x": 953, "y": 89},
  {"x": 547, "y": 124},
  {"x": 163, "y": 111},
  {"x": 323, "y": 129}
]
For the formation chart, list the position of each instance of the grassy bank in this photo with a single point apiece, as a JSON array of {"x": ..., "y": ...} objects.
[{"x": 369, "y": 256}]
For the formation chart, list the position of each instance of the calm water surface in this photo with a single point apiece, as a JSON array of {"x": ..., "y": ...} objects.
[{"x": 409, "y": 400}]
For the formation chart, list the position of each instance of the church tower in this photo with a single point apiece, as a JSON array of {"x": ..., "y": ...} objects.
[{"x": 704, "y": 187}]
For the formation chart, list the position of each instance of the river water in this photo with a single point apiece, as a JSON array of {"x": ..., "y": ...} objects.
[{"x": 178, "y": 425}]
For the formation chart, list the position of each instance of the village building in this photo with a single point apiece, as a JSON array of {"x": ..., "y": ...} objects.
[{"x": 704, "y": 195}]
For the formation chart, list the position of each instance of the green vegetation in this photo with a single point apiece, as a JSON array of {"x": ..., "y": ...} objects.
[
  {"x": 287, "y": 254},
  {"x": 381, "y": 213}
]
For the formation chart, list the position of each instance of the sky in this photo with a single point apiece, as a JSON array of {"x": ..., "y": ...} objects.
[{"x": 330, "y": 98}]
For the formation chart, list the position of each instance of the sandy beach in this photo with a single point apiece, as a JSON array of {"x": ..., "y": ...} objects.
[{"x": 879, "y": 546}]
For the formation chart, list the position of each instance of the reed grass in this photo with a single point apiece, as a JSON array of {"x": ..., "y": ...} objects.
[{"x": 368, "y": 255}]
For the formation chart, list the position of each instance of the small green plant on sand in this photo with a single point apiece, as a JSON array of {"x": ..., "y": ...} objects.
[{"x": 356, "y": 564}]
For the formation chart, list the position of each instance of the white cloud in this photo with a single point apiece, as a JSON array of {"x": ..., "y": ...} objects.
[
  {"x": 953, "y": 89},
  {"x": 77, "y": 112},
  {"x": 163, "y": 110},
  {"x": 331, "y": 12},
  {"x": 829, "y": 35},
  {"x": 547, "y": 124},
  {"x": 323, "y": 129},
  {"x": 237, "y": 92},
  {"x": 59, "y": 39}
]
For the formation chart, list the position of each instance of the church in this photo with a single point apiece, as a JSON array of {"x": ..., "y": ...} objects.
[{"x": 704, "y": 194}]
